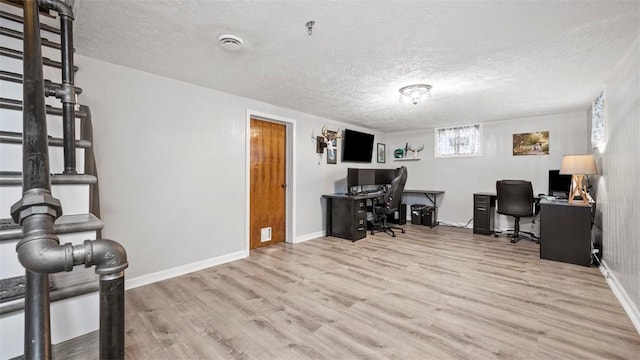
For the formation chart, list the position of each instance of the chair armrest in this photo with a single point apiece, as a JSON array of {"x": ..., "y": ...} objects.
[{"x": 536, "y": 205}]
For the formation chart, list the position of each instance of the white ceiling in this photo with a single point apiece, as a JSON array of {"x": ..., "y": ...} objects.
[{"x": 486, "y": 60}]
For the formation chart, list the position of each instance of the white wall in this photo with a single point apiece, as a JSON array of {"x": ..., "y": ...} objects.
[
  {"x": 171, "y": 162},
  {"x": 461, "y": 177},
  {"x": 617, "y": 189},
  {"x": 171, "y": 165}
]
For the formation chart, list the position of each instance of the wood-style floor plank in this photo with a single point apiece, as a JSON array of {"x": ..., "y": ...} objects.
[{"x": 440, "y": 293}]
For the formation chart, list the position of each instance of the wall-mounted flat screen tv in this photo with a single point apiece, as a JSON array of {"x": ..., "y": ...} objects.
[{"x": 357, "y": 146}]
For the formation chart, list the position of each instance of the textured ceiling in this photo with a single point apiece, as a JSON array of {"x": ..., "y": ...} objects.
[{"x": 486, "y": 60}]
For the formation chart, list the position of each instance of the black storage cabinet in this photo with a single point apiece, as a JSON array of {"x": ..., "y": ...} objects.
[
  {"x": 426, "y": 216},
  {"x": 416, "y": 213},
  {"x": 484, "y": 209},
  {"x": 349, "y": 218}
]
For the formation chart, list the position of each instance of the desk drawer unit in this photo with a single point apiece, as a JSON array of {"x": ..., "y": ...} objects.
[
  {"x": 349, "y": 218},
  {"x": 484, "y": 208}
]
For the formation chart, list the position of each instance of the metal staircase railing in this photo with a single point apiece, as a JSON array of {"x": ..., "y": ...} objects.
[{"x": 39, "y": 250}]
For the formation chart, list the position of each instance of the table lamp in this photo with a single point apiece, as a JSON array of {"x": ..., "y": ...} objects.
[{"x": 578, "y": 166}]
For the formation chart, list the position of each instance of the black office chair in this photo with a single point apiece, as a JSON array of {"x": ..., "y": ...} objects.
[
  {"x": 390, "y": 204},
  {"x": 515, "y": 198}
]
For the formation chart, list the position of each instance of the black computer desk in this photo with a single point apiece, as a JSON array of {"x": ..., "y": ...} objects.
[{"x": 432, "y": 195}]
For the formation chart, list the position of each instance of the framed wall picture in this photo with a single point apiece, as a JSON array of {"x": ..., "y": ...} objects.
[
  {"x": 332, "y": 153},
  {"x": 382, "y": 153},
  {"x": 534, "y": 143}
]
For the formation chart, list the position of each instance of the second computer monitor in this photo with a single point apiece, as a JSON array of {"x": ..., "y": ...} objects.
[
  {"x": 559, "y": 184},
  {"x": 360, "y": 177},
  {"x": 365, "y": 177}
]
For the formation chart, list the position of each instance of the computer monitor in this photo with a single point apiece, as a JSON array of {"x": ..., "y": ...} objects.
[
  {"x": 385, "y": 176},
  {"x": 360, "y": 177},
  {"x": 559, "y": 184}
]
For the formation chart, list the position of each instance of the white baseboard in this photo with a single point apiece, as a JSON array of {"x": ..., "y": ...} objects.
[
  {"x": 457, "y": 224},
  {"x": 308, "y": 237},
  {"x": 621, "y": 294},
  {"x": 184, "y": 269}
]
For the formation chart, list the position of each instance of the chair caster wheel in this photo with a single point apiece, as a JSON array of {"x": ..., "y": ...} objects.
[
  {"x": 403, "y": 231},
  {"x": 513, "y": 241}
]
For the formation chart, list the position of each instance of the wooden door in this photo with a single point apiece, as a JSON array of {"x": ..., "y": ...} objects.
[{"x": 268, "y": 183}]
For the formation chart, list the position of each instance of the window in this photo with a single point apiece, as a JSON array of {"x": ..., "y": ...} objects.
[
  {"x": 458, "y": 141},
  {"x": 597, "y": 122}
]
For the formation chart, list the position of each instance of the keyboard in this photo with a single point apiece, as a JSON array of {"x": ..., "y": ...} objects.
[{"x": 371, "y": 192}]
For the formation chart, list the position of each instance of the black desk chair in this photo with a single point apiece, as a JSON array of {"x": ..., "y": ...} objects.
[
  {"x": 390, "y": 204},
  {"x": 515, "y": 198}
]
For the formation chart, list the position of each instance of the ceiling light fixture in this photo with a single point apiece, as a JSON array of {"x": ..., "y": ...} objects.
[
  {"x": 230, "y": 42},
  {"x": 414, "y": 93}
]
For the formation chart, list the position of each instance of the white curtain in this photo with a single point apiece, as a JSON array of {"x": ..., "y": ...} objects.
[
  {"x": 597, "y": 121},
  {"x": 458, "y": 141}
]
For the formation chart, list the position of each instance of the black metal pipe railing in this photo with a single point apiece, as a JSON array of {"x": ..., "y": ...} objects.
[
  {"x": 39, "y": 330},
  {"x": 39, "y": 250},
  {"x": 36, "y": 169},
  {"x": 67, "y": 92},
  {"x": 36, "y": 186},
  {"x": 112, "y": 320}
]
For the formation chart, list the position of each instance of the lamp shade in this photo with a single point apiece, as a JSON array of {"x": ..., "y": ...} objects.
[{"x": 578, "y": 164}]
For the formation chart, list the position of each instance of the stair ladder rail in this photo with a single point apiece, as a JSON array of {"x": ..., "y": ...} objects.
[
  {"x": 39, "y": 251},
  {"x": 86, "y": 133}
]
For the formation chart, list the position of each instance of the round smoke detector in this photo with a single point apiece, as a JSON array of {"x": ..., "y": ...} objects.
[{"x": 230, "y": 42}]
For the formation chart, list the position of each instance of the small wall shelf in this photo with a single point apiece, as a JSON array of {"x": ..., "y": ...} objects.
[{"x": 407, "y": 159}]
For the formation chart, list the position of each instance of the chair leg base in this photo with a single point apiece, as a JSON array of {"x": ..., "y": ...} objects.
[
  {"x": 387, "y": 230},
  {"x": 527, "y": 235},
  {"x": 532, "y": 237},
  {"x": 397, "y": 227}
]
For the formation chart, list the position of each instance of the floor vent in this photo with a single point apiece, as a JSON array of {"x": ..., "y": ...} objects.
[{"x": 265, "y": 234}]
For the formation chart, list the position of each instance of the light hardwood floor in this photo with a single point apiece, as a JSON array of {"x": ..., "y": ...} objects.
[{"x": 439, "y": 293}]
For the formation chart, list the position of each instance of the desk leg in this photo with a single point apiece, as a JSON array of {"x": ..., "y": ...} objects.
[
  {"x": 435, "y": 210},
  {"x": 328, "y": 219},
  {"x": 434, "y": 201}
]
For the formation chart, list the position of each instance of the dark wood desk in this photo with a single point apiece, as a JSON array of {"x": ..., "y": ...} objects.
[
  {"x": 432, "y": 195},
  {"x": 565, "y": 232},
  {"x": 346, "y": 215}
]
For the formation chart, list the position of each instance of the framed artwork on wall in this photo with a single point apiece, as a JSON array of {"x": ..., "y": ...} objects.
[
  {"x": 332, "y": 157},
  {"x": 534, "y": 143},
  {"x": 382, "y": 153},
  {"x": 332, "y": 147}
]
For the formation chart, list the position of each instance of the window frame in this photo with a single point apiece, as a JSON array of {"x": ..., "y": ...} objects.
[
  {"x": 598, "y": 129},
  {"x": 436, "y": 141}
]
